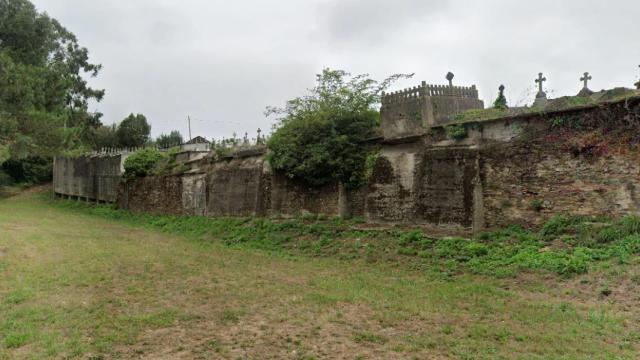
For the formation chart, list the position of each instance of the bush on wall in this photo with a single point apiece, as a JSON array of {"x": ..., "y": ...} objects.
[
  {"x": 457, "y": 132},
  {"x": 143, "y": 162},
  {"x": 320, "y": 135}
]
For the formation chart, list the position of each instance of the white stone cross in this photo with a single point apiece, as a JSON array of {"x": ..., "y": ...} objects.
[
  {"x": 586, "y": 79},
  {"x": 539, "y": 81}
]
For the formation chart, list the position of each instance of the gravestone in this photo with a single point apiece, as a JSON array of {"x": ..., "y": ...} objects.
[
  {"x": 450, "y": 77},
  {"x": 540, "y": 80},
  {"x": 259, "y": 138},
  {"x": 541, "y": 96},
  {"x": 586, "y": 92}
]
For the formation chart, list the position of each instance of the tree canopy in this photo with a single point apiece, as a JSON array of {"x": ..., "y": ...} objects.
[
  {"x": 319, "y": 136},
  {"x": 44, "y": 94},
  {"x": 133, "y": 131},
  {"x": 173, "y": 139}
]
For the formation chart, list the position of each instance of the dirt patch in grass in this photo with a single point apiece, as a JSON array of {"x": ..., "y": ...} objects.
[{"x": 344, "y": 332}]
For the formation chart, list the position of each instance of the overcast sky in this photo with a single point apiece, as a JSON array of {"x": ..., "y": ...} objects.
[{"x": 222, "y": 62}]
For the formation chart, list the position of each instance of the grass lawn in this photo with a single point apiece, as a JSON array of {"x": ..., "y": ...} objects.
[{"x": 77, "y": 284}]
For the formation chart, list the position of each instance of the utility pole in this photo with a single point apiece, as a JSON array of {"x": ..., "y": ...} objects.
[{"x": 189, "y": 119}]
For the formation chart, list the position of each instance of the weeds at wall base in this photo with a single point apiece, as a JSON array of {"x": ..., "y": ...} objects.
[{"x": 566, "y": 245}]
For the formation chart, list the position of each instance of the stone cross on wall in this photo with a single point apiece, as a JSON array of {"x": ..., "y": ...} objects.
[
  {"x": 586, "y": 79},
  {"x": 541, "y": 79},
  {"x": 450, "y": 77}
]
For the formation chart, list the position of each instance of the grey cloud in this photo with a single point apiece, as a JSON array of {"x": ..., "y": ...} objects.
[
  {"x": 223, "y": 61},
  {"x": 370, "y": 21}
]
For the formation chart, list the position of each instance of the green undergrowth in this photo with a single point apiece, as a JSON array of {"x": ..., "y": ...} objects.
[
  {"x": 566, "y": 245},
  {"x": 481, "y": 114},
  {"x": 558, "y": 104}
]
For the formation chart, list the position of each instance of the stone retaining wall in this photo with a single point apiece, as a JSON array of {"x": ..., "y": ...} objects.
[{"x": 518, "y": 170}]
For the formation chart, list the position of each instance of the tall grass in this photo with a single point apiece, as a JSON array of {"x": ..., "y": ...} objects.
[{"x": 566, "y": 245}]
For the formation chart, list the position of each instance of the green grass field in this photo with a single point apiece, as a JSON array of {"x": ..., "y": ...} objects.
[{"x": 83, "y": 282}]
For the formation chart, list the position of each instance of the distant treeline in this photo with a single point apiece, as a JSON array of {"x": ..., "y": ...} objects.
[{"x": 44, "y": 97}]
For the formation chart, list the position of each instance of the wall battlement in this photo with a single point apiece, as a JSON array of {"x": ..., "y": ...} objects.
[
  {"x": 411, "y": 94},
  {"x": 412, "y": 111}
]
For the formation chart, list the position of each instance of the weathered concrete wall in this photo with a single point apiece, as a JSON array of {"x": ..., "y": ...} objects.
[
  {"x": 445, "y": 187},
  {"x": 439, "y": 110},
  {"x": 392, "y": 189},
  {"x": 236, "y": 187},
  {"x": 580, "y": 161},
  {"x": 194, "y": 194},
  {"x": 92, "y": 177},
  {"x": 404, "y": 117},
  {"x": 428, "y": 186}
]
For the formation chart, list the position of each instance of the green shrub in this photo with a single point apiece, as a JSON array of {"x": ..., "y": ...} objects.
[
  {"x": 556, "y": 226},
  {"x": 321, "y": 136},
  {"x": 561, "y": 224},
  {"x": 457, "y": 132},
  {"x": 608, "y": 235},
  {"x": 142, "y": 162},
  {"x": 319, "y": 150},
  {"x": 629, "y": 225},
  {"x": 536, "y": 204},
  {"x": 29, "y": 170},
  {"x": 476, "y": 249},
  {"x": 501, "y": 100},
  {"x": 411, "y": 238},
  {"x": 481, "y": 114}
]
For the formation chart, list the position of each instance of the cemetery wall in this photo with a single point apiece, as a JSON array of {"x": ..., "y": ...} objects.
[
  {"x": 234, "y": 187},
  {"x": 582, "y": 162},
  {"x": 90, "y": 177},
  {"x": 516, "y": 170}
]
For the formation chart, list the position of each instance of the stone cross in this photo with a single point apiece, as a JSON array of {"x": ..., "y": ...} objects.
[
  {"x": 539, "y": 81},
  {"x": 586, "y": 79},
  {"x": 450, "y": 77},
  {"x": 259, "y": 138}
]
